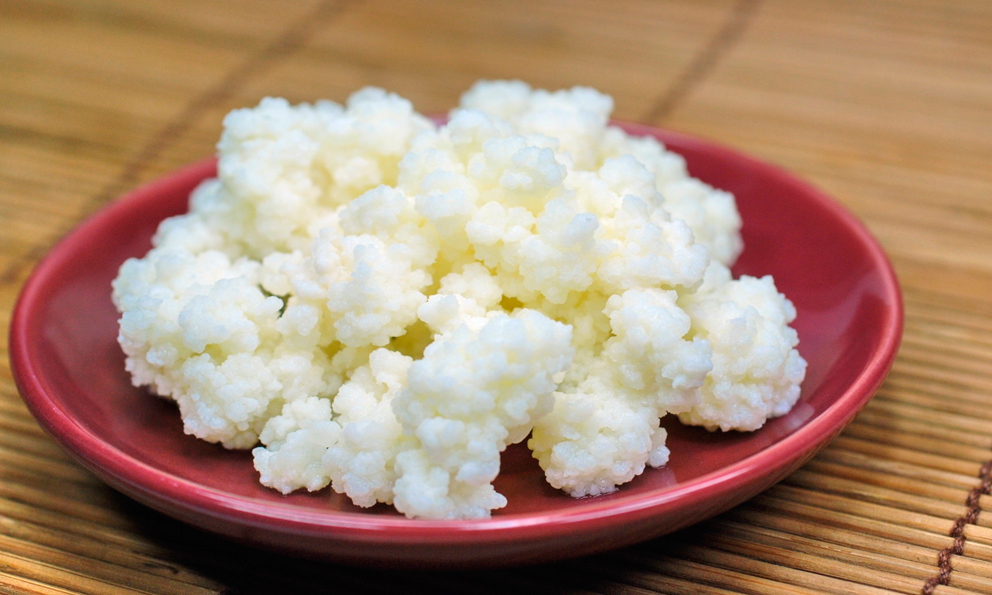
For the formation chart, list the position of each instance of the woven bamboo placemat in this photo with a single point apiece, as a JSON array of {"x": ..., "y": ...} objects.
[{"x": 886, "y": 105}]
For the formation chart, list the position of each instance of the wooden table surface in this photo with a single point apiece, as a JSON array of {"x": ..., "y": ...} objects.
[{"x": 886, "y": 105}]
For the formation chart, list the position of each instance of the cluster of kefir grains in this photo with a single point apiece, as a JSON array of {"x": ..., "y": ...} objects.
[{"x": 381, "y": 304}]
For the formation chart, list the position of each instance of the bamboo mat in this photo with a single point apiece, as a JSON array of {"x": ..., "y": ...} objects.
[{"x": 887, "y": 105}]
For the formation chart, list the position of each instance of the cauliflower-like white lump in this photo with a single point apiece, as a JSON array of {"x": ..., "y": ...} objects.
[
  {"x": 756, "y": 368},
  {"x": 478, "y": 388},
  {"x": 381, "y": 305}
]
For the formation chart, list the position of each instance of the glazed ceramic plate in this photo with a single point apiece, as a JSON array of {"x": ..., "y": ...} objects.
[{"x": 70, "y": 371}]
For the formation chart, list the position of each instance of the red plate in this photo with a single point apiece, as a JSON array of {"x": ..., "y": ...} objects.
[{"x": 70, "y": 370}]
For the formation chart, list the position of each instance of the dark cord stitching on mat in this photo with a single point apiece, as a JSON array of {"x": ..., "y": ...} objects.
[{"x": 945, "y": 556}]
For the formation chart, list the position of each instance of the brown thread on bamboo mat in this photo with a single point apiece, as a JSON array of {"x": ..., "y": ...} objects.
[
  {"x": 295, "y": 35},
  {"x": 945, "y": 556},
  {"x": 705, "y": 61}
]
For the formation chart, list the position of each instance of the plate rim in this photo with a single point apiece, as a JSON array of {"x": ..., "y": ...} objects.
[{"x": 163, "y": 490}]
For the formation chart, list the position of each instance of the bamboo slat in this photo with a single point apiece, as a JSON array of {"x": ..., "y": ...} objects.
[{"x": 885, "y": 105}]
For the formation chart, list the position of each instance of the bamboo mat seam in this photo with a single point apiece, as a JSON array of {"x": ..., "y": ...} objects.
[
  {"x": 292, "y": 39},
  {"x": 946, "y": 555},
  {"x": 705, "y": 60}
]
